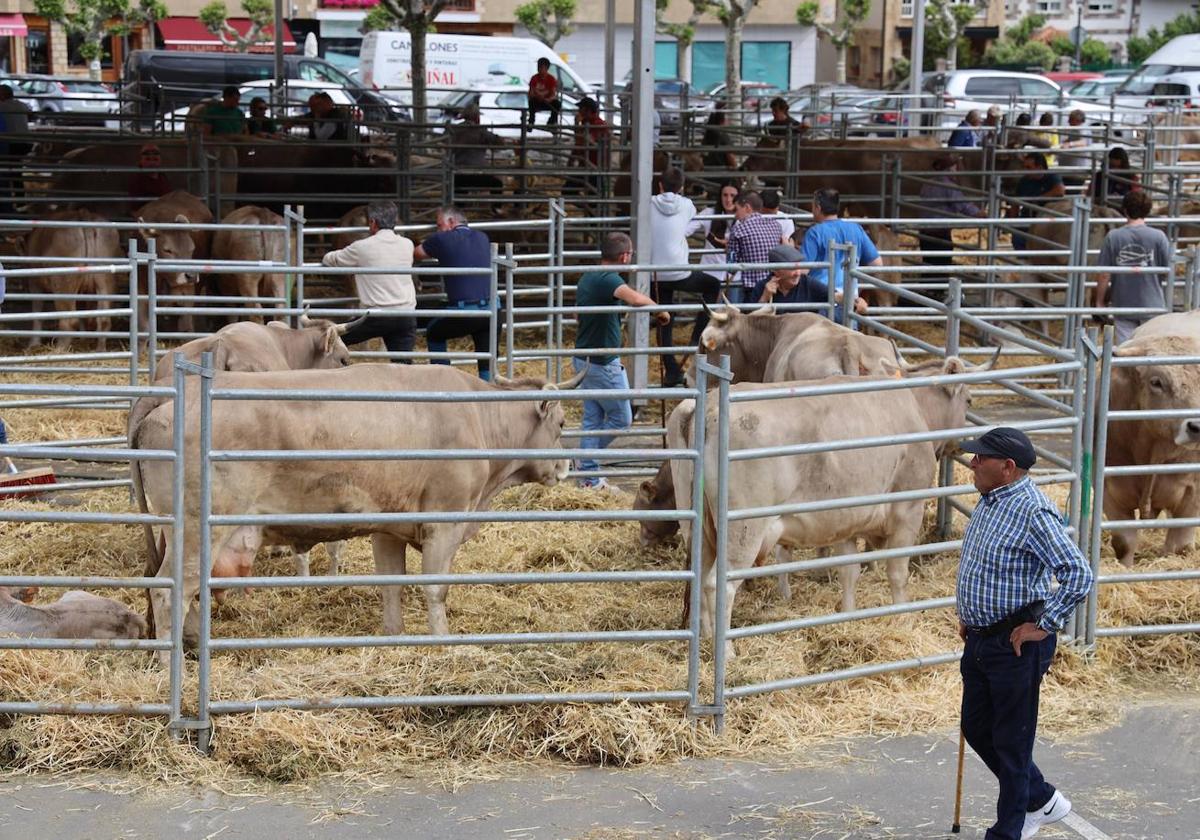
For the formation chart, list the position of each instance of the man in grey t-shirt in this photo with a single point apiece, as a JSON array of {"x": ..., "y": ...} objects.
[{"x": 1134, "y": 246}]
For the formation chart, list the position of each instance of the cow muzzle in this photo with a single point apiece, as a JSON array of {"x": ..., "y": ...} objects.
[{"x": 1188, "y": 433}]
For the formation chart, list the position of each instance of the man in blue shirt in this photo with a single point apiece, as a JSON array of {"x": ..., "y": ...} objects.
[
  {"x": 830, "y": 229},
  {"x": 967, "y": 135},
  {"x": 1007, "y": 616},
  {"x": 456, "y": 245}
]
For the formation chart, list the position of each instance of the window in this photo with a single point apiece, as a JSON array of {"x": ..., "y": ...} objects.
[
  {"x": 312, "y": 72},
  {"x": 515, "y": 101},
  {"x": 762, "y": 61},
  {"x": 1048, "y": 7},
  {"x": 74, "y": 59},
  {"x": 1012, "y": 9},
  {"x": 1036, "y": 89},
  {"x": 1102, "y": 7},
  {"x": 906, "y": 8},
  {"x": 666, "y": 59},
  {"x": 992, "y": 87},
  {"x": 37, "y": 50}
]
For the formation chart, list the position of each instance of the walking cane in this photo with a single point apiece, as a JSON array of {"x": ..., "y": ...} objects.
[{"x": 962, "y": 749}]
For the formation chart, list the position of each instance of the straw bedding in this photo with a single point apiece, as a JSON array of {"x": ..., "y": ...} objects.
[{"x": 454, "y": 745}]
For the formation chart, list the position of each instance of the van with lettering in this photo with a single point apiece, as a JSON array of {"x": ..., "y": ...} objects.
[{"x": 460, "y": 62}]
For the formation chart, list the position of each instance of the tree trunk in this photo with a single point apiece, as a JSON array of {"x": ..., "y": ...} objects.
[
  {"x": 840, "y": 71},
  {"x": 417, "y": 42},
  {"x": 94, "y": 69},
  {"x": 733, "y": 63},
  {"x": 952, "y": 53},
  {"x": 683, "y": 61}
]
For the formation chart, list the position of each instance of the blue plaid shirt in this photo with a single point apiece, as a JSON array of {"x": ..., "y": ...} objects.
[
  {"x": 1012, "y": 544},
  {"x": 750, "y": 241}
]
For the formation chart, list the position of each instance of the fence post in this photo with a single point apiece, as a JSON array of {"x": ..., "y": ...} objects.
[
  {"x": 849, "y": 281},
  {"x": 1193, "y": 296},
  {"x": 152, "y": 307},
  {"x": 946, "y": 465},
  {"x": 721, "y": 570},
  {"x": 509, "y": 306},
  {"x": 203, "y": 653},
  {"x": 493, "y": 303},
  {"x": 1105, "y": 383},
  {"x": 1076, "y": 280},
  {"x": 995, "y": 190},
  {"x": 1085, "y": 409},
  {"x": 696, "y": 545},
  {"x": 177, "y": 513},
  {"x": 892, "y": 202},
  {"x": 297, "y": 255},
  {"x": 134, "y": 336},
  {"x": 560, "y": 243},
  {"x": 1080, "y": 460}
]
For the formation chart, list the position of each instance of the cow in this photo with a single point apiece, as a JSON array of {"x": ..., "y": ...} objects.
[
  {"x": 252, "y": 246},
  {"x": 1148, "y": 387},
  {"x": 246, "y": 347},
  {"x": 389, "y": 486},
  {"x": 173, "y": 244},
  {"x": 354, "y": 217},
  {"x": 1059, "y": 236},
  {"x": 76, "y": 615},
  {"x": 793, "y": 479},
  {"x": 60, "y": 246}
]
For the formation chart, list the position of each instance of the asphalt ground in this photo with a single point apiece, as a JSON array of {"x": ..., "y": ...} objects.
[{"x": 1136, "y": 781}]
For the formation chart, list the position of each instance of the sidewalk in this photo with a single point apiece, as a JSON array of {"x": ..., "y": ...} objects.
[{"x": 1139, "y": 780}]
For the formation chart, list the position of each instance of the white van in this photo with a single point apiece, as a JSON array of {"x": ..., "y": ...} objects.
[
  {"x": 458, "y": 62},
  {"x": 1176, "y": 63}
]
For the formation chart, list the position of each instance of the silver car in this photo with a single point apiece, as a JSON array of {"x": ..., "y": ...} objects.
[{"x": 72, "y": 101}]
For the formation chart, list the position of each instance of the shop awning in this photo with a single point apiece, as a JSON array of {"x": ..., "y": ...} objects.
[
  {"x": 13, "y": 25},
  {"x": 189, "y": 35}
]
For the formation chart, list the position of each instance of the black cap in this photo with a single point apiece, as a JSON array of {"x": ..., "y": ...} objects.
[
  {"x": 1003, "y": 442},
  {"x": 784, "y": 253}
]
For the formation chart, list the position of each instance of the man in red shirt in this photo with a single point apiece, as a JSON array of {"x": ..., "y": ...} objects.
[
  {"x": 591, "y": 141},
  {"x": 149, "y": 182},
  {"x": 543, "y": 93}
]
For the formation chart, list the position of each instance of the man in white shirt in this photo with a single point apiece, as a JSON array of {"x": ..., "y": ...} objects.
[
  {"x": 787, "y": 227},
  {"x": 382, "y": 294},
  {"x": 671, "y": 220}
]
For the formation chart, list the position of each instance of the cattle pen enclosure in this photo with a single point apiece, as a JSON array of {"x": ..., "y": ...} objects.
[{"x": 565, "y": 634}]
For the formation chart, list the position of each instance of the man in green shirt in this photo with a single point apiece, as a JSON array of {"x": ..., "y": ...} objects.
[
  {"x": 225, "y": 117},
  {"x": 601, "y": 331}
]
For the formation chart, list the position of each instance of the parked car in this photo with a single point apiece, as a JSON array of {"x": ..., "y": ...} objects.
[
  {"x": 18, "y": 91},
  {"x": 672, "y": 97},
  {"x": 295, "y": 105},
  {"x": 877, "y": 116},
  {"x": 1096, "y": 90},
  {"x": 960, "y": 91},
  {"x": 756, "y": 97},
  {"x": 502, "y": 109},
  {"x": 73, "y": 101},
  {"x": 828, "y": 107}
]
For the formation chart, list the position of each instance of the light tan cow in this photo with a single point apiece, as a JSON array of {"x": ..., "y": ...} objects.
[
  {"x": 1154, "y": 441},
  {"x": 76, "y": 615},
  {"x": 61, "y": 245},
  {"x": 178, "y": 207},
  {"x": 794, "y": 479},
  {"x": 1060, "y": 238},
  {"x": 321, "y": 486},
  {"x": 252, "y": 246}
]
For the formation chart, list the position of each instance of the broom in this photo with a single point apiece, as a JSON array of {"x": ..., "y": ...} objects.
[{"x": 12, "y": 478}]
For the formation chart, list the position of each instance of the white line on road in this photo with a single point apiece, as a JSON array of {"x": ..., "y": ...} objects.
[{"x": 1084, "y": 828}]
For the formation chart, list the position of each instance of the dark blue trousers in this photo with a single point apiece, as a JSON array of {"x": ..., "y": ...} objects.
[{"x": 999, "y": 719}]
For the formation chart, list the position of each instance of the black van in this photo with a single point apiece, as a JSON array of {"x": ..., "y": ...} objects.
[{"x": 160, "y": 81}]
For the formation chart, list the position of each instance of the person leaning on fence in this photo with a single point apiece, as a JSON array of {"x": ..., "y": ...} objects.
[
  {"x": 149, "y": 182},
  {"x": 324, "y": 120},
  {"x": 599, "y": 331},
  {"x": 717, "y": 141},
  {"x": 786, "y": 285},
  {"x": 224, "y": 118},
  {"x": 592, "y": 137},
  {"x": 384, "y": 292},
  {"x": 829, "y": 230},
  {"x": 543, "y": 93},
  {"x": 457, "y": 245},
  {"x": 1077, "y": 136},
  {"x": 1135, "y": 246},
  {"x": 749, "y": 240},
  {"x": 1121, "y": 179},
  {"x": 1047, "y": 135},
  {"x": 1014, "y": 543},
  {"x": 259, "y": 124},
  {"x": 469, "y": 142},
  {"x": 672, "y": 219},
  {"x": 941, "y": 198},
  {"x": 1035, "y": 188},
  {"x": 782, "y": 124},
  {"x": 967, "y": 135}
]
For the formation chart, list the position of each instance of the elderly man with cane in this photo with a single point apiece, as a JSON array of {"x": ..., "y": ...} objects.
[{"x": 1007, "y": 618}]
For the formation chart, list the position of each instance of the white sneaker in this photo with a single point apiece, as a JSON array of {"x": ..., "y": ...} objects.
[
  {"x": 1053, "y": 811},
  {"x": 594, "y": 484}
]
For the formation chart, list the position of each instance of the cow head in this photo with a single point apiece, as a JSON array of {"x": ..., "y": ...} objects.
[
  {"x": 25, "y": 594},
  {"x": 324, "y": 342},
  {"x": 1155, "y": 387},
  {"x": 942, "y": 406},
  {"x": 172, "y": 244},
  {"x": 657, "y": 493},
  {"x": 1189, "y": 433},
  {"x": 545, "y": 430},
  {"x": 747, "y": 339}
]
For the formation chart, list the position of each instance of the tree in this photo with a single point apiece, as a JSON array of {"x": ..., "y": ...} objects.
[
  {"x": 1016, "y": 48},
  {"x": 547, "y": 20},
  {"x": 733, "y": 14},
  {"x": 215, "y": 18},
  {"x": 95, "y": 20},
  {"x": 945, "y": 21},
  {"x": 1091, "y": 51},
  {"x": 841, "y": 32},
  {"x": 1140, "y": 47},
  {"x": 416, "y": 17},
  {"x": 683, "y": 33}
]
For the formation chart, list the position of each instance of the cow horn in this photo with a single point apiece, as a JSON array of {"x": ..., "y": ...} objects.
[
  {"x": 990, "y": 363},
  {"x": 344, "y": 328},
  {"x": 904, "y": 366},
  {"x": 574, "y": 381},
  {"x": 716, "y": 317},
  {"x": 305, "y": 321}
]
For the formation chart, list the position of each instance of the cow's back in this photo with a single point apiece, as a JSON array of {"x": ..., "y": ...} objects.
[{"x": 816, "y": 349}]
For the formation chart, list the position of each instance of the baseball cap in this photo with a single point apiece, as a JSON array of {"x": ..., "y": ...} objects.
[
  {"x": 1003, "y": 442},
  {"x": 784, "y": 253}
]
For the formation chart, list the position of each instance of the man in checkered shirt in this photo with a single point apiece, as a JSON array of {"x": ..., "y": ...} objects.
[
  {"x": 1008, "y": 616},
  {"x": 751, "y": 239}
]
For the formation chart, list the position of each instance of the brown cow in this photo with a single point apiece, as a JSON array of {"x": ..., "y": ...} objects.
[
  {"x": 62, "y": 245},
  {"x": 252, "y": 246},
  {"x": 179, "y": 207}
]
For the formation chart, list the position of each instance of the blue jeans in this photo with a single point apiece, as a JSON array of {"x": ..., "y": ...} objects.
[
  {"x": 439, "y": 330},
  {"x": 738, "y": 293},
  {"x": 999, "y": 720},
  {"x": 602, "y": 415}
]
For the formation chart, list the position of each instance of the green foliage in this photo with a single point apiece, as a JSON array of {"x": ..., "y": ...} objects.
[
  {"x": 215, "y": 17},
  {"x": 1141, "y": 47},
  {"x": 89, "y": 19},
  {"x": 1025, "y": 27},
  {"x": 851, "y": 13},
  {"x": 1092, "y": 51},
  {"x": 379, "y": 19},
  {"x": 1015, "y": 48},
  {"x": 547, "y": 20}
]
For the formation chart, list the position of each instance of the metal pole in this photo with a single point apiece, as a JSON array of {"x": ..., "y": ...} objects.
[
  {"x": 696, "y": 547},
  {"x": 510, "y": 304},
  {"x": 1075, "y": 506},
  {"x": 280, "y": 76},
  {"x": 1083, "y": 535},
  {"x": 1105, "y": 377},
  {"x": 560, "y": 293},
  {"x": 720, "y": 570},
  {"x": 203, "y": 653},
  {"x": 177, "y": 511},
  {"x": 493, "y": 302},
  {"x": 134, "y": 337},
  {"x": 917, "y": 59},
  {"x": 152, "y": 308},
  {"x": 945, "y": 512},
  {"x": 610, "y": 49},
  {"x": 300, "y": 220},
  {"x": 641, "y": 174},
  {"x": 289, "y": 279}
]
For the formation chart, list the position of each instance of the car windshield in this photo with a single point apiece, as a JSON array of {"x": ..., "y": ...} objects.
[
  {"x": 514, "y": 100},
  {"x": 86, "y": 87},
  {"x": 459, "y": 100}
]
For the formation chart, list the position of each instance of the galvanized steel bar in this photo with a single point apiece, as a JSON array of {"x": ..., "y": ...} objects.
[
  {"x": 720, "y": 569},
  {"x": 1104, "y": 375},
  {"x": 226, "y": 707},
  {"x": 205, "y": 524},
  {"x": 843, "y": 674}
]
